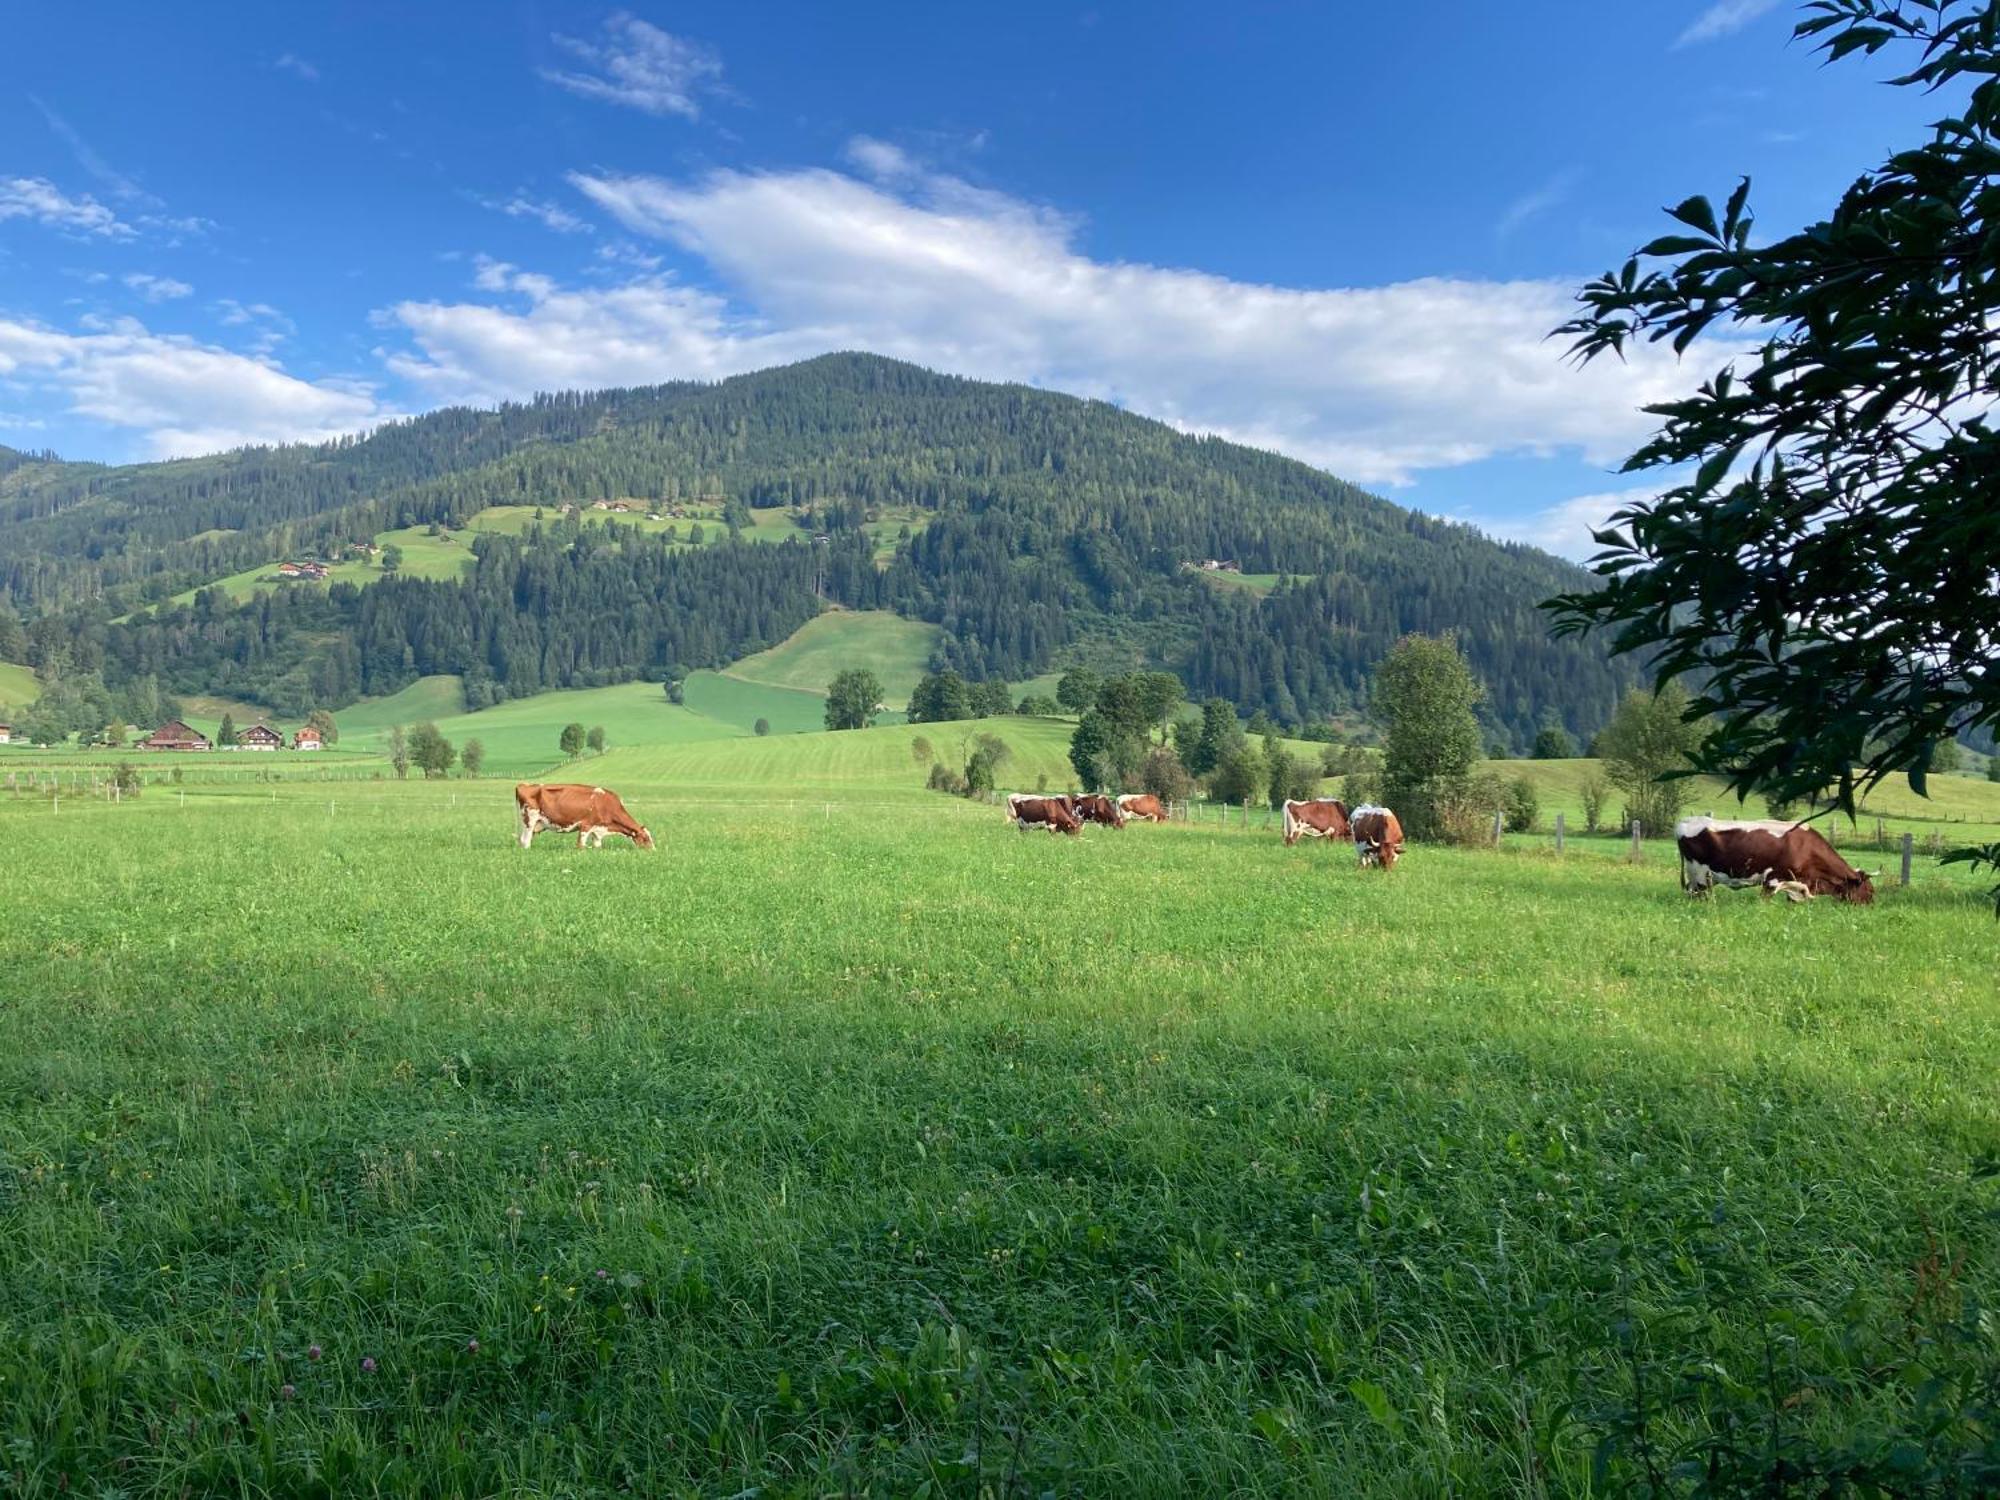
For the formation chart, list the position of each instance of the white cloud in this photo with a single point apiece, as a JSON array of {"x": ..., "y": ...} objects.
[
  {"x": 549, "y": 215},
  {"x": 1565, "y": 529},
  {"x": 187, "y": 397},
  {"x": 291, "y": 62},
  {"x": 1373, "y": 383},
  {"x": 267, "y": 326},
  {"x": 156, "y": 288},
  {"x": 625, "y": 253},
  {"x": 39, "y": 200},
  {"x": 879, "y": 159},
  {"x": 640, "y": 65},
  {"x": 120, "y": 185},
  {"x": 1723, "y": 18},
  {"x": 1533, "y": 204}
]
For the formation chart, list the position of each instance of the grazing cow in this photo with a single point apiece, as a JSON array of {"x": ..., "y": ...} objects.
[
  {"x": 1143, "y": 806},
  {"x": 589, "y": 812},
  {"x": 1052, "y": 813},
  {"x": 1324, "y": 818},
  {"x": 1095, "y": 807},
  {"x": 1775, "y": 856},
  {"x": 1378, "y": 837}
]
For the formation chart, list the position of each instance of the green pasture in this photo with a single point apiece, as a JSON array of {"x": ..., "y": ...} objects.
[
  {"x": 896, "y": 650},
  {"x": 1958, "y": 808},
  {"x": 18, "y": 686},
  {"x": 730, "y": 701},
  {"x": 863, "y": 1145}
]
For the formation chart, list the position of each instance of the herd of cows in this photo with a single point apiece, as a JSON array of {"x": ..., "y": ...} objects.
[
  {"x": 1777, "y": 857},
  {"x": 1378, "y": 837}
]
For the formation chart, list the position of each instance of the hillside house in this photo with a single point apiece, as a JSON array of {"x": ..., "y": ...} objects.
[
  {"x": 306, "y": 739},
  {"x": 6, "y": 734},
  {"x": 174, "y": 735},
  {"x": 1216, "y": 565},
  {"x": 260, "y": 737}
]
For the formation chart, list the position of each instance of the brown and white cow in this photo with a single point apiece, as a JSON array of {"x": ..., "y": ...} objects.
[
  {"x": 1143, "y": 806},
  {"x": 1095, "y": 807},
  {"x": 589, "y": 812},
  {"x": 1052, "y": 813},
  {"x": 1378, "y": 837},
  {"x": 1775, "y": 856},
  {"x": 1322, "y": 818}
]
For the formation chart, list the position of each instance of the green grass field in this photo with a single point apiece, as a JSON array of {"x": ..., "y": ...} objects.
[
  {"x": 894, "y": 649},
  {"x": 859, "y": 1143},
  {"x": 18, "y": 686}
]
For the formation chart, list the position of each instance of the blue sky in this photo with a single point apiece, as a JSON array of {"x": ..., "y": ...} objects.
[{"x": 1338, "y": 231}]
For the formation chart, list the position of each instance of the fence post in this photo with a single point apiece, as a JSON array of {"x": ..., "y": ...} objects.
[
  {"x": 1559, "y": 833},
  {"x": 1496, "y": 827},
  {"x": 1636, "y": 852},
  {"x": 1881, "y": 839},
  {"x": 1908, "y": 840}
]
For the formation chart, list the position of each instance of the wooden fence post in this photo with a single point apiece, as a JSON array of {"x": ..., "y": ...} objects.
[
  {"x": 1636, "y": 852},
  {"x": 1497, "y": 824},
  {"x": 1908, "y": 840},
  {"x": 1559, "y": 833}
]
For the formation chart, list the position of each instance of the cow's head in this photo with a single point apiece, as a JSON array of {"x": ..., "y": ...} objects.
[
  {"x": 645, "y": 838},
  {"x": 1857, "y": 886},
  {"x": 1385, "y": 852}
]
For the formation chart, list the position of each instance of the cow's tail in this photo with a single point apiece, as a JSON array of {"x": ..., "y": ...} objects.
[{"x": 1291, "y": 823}]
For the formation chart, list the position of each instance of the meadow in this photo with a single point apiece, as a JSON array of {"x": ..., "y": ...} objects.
[{"x": 853, "y": 1142}]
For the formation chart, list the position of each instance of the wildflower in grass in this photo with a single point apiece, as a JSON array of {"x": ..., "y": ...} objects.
[
  {"x": 603, "y": 1275},
  {"x": 288, "y": 1390},
  {"x": 313, "y": 1352},
  {"x": 472, "y": 1346},
  {"x": 367, "y": 1364}
]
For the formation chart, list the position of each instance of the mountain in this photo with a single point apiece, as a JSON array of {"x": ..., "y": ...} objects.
[{"x": 1041, "y": 528}]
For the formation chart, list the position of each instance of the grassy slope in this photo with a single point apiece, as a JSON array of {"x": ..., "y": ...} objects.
[
  {"x": 1102, "y": 1162},
  {"x": 521, "y": 737},
  {"x": 738, "y": 704},
  {"x": 895, "y": 649},
  {"x": 878, "y": 760},
  {"x": 18, "y": 686}
]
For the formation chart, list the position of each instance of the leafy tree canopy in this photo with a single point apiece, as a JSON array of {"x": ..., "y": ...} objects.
[
  {"x": 853, "y": 699},
  {"x": 1822, "y": 563}
]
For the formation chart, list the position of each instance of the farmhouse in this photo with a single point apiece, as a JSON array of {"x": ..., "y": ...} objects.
[
  {"x": 174, "y": 735},
  {"x": 6, "y": 734},
  {"x": 260, "y": 737},
  {"x": 306, "y": 739}
]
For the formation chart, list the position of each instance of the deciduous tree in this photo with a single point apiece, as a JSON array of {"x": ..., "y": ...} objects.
[
  {"x": 1425, "y": 695},
  {"x": 1648, "y": 742},
  {"x": 853, "y": 699},
  {"x": 1821, "y": 561}
]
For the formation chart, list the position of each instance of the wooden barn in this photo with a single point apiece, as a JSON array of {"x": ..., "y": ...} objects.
[
  {"x": 174, "y": 735},
  {"x": 306, "y": 739},
  {"x": 260, "y": 737}
]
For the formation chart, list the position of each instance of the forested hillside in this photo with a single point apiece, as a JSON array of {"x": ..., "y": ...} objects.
[{"x": 1057, "y": 529}]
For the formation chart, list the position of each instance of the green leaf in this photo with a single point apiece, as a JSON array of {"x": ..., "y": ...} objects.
[
  {"x": 1375, "y": 1401},
  {"x": 1697, "y": 213}
]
